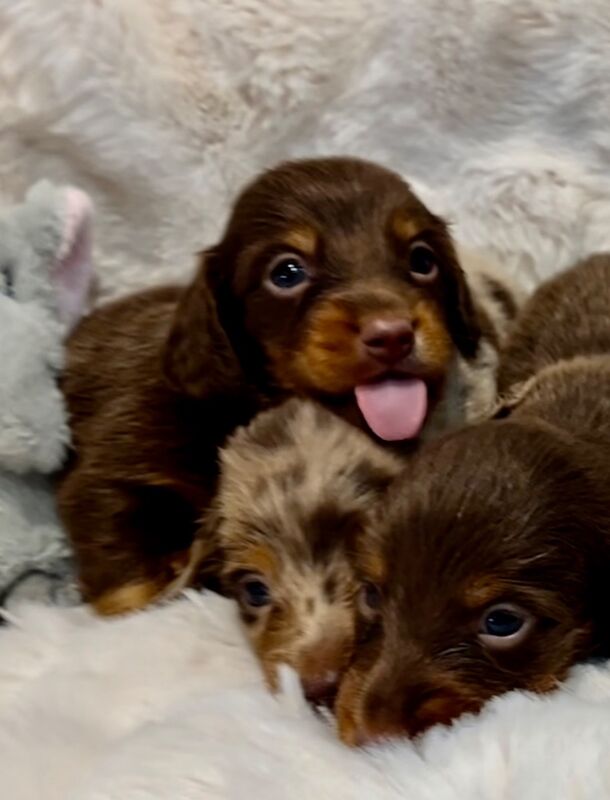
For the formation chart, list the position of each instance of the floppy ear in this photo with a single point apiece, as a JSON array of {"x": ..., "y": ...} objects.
[
  {"x": 202, "y": 566},
  {"x": 462, "y": 315},
  {"x": 199, "y": 359},
  {"x": 506, "y": 403}
]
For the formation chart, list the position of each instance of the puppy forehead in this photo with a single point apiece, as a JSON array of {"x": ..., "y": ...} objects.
[
  {"x": 442, "y": 570},
  {"x": 438, "y": 556},
  {"x": 290, "y": 562},
  {"x": 330, "y": 196},
  {"x": 303, "y": 453},
  {"x": 454, "y": 514},
  {"x": 300, "y": 519},
  {"x": 299, "y": 532},
  {"x": 318, "y": 510},
  {"x": 302, "y": 481}
]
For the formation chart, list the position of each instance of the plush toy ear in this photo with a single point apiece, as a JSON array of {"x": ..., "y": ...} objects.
[
  {"x": 199, "y": 358},
  {"x": 72, "y": 272}
]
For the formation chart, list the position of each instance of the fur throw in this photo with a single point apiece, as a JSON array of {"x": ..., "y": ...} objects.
[
  {"x": 170, "y": 704},
  {"x": 498, "y": 112}
]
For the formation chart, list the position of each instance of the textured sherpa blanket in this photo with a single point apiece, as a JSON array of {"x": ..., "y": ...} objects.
[
  {"x": 170, "y": 704},
  {"x": 499, "y": 112}
]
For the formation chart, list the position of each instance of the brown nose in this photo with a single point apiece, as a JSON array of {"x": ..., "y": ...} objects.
[
  {"x": 321, "y": 689},
  {"x": 387, "y": 340}
]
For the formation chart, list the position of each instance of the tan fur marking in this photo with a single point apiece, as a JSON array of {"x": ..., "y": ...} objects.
[
  {"x": 260, "y": 559},
  {"x": 404, "y": 227},
  {"x": 432, "y": 336},
  {"x": 328, "y": 358},
  {"x": 348, "y": 705},
  {"x": 128, "y": 598},
  {"x": 373, "y": 566},
  {"x": 547, "y": 683},
  {"x": 482, "y": 591},
  {"x": 303, "y": 238}
]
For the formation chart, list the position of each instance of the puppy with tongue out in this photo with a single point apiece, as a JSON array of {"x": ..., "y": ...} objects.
[
  {"x": 405, "y": 363},
  {"x": 394, "y": 408},
  {"x": 331, "y": 281},
  {"x": 354, "y": 295}
]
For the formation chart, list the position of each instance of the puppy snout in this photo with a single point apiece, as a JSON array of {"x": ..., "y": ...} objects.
[
  {"x": 388, "y": 715},
  {"x": 321, "y": 690},
  {"x": 320, "y": 668},
  {"x": 387, "y": 340}
]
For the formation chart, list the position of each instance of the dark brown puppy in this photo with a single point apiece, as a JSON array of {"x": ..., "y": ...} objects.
[
  {"x": 491, "y": 565},
  {"x": 331, "y": 281}
]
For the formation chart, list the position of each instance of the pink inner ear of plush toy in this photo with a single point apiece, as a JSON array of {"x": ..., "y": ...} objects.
[{"x": 72, "y": 274}]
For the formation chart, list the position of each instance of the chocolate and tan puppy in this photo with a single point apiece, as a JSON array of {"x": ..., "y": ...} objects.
[
  {"x": 490, "y": 568},
  {"x": 331, "y": 281}
]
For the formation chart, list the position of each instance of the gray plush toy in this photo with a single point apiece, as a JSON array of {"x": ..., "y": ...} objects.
[{"x": 45, "y": 282}]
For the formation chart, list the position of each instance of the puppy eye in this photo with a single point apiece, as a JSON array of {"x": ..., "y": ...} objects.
[
  {"x": 369, "y": 599},
  {"x": 287, "y": 273},
  {"x": 504, "y": 626},
  {"x": 423, "y": 265},
  {"x": 254, "y": 592}
]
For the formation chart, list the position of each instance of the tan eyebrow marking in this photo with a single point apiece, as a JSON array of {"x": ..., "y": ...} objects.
[
  {"x": 373, "y": 565},
  {"x": 303, "y": 238},
  {"x": 404, "y": 227},
  {"x": 254, "y": 559},
  {"x": 482, "y": 591}
]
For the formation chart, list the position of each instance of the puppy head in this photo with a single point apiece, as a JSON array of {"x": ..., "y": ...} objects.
[
  {"x": 297, "y": 487},
  {"x": 489, "y": 573},
  {"x": 334, "y": 281}
]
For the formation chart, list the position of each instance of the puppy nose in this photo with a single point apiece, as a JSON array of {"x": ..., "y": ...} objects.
[
  {"x": 321, "y": 690},
  {"x": 387, "y": 340}
]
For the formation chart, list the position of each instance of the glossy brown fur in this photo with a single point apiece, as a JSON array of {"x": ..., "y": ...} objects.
[
  {"x": 514, "y": 510},
  {"x": 155, "y": 382},
  {"x": 564, "y": 320}
]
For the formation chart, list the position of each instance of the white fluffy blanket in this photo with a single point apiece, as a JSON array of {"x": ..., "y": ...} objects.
[
  {"x": 169, "y": 704},
  {"x": 499, "y": 111}
]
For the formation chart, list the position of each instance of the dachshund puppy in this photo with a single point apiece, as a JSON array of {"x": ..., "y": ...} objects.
[
  {"x": 297, "y": 487},
  {"x": 332, "y": 281},
  {"x": 490, "y": 567}
]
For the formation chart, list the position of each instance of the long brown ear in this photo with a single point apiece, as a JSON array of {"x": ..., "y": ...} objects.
[
  {"x": 199, "y": 359},
  {"x": 462, "y": 315},
  {"x": 464, "y": 319}
]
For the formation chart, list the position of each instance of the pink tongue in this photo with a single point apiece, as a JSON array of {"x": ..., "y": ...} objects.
[{"x": 394, "y": 409}]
